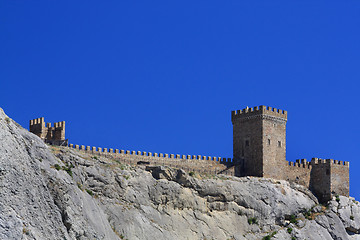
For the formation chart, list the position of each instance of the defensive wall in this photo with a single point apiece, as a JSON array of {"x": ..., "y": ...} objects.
[
  {"x": 323, "y": 177},
  {"x": 259, "y": 149},
  {"x": 298, "y": 172},
  {"x": 190, "y": 163},
  {"x": 259, "y": 143}
]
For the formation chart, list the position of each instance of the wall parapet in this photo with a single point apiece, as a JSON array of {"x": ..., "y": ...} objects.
[
  {"x": 301, "y": 163},
  {"x": 36, "y": 121},
  {"x": 317, "y": 161},
  {"x": 111, "y": 151},
  {"x": 59, "y": 124},
  {"x": 190, "y": 163}
]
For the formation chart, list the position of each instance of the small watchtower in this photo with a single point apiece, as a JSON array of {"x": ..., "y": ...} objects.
[
  {"x": 259, "y": 141},
  {"x": 51, "y": 135}
]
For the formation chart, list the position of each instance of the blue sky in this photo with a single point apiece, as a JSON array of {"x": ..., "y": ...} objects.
[{"x": 163, "y": 76}]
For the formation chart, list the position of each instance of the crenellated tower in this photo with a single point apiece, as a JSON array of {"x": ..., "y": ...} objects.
[
  {"x": 329, "y": 177},
  {"x": 37, "y": 126},
  {"x": 52, "y": 135},
  {"x": 259, "y": 141}
]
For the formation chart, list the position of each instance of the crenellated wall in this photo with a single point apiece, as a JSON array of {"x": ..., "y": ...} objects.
[
  {"x": 298, "y": 172},
  {"x": 324, "y": 177},
  {"x": 195, "y": 163},
  {"x": 259, "y": 149}
]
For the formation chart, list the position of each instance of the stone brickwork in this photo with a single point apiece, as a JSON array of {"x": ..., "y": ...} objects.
[
  {"x": 51, "y": 135},
  {"x": 329, "y": 177},
  {"x": 339, "y": 177},
  {"x": 259, "y": 149},
  {"x": 298, "y": 172},
  {"x": 259, "y": 141},
  {"x": 190, "y": 163}
]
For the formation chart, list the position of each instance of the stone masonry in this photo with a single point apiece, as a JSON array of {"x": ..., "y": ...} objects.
[
  {"x": 259, "y": 143},
  {"x": 259, "y": 149},
  {"x": 51, "y": 135}
]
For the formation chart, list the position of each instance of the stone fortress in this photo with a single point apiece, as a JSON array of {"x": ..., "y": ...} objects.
[
  {"x": 51, "y": 135},
  {"x": 259, "y": 149}
]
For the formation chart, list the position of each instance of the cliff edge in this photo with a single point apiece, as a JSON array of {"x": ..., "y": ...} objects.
[{"x": 49, "y": 192}]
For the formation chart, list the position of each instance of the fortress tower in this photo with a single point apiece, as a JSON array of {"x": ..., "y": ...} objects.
[
  {"x": 259, "y": 141},
  {"x": 51, "y": 135}
]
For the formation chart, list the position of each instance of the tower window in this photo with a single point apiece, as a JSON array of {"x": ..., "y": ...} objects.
[
  {"x": 269, "y": 141},
  {"x": 279, "y": 143},
  {"x": 327, "y": 171},
  {"x": 247, "y": 143}
]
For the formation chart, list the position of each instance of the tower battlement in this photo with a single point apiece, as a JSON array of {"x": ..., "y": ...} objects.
[
  {"x": 59, "y": 125},
  {"x": 37, "y": 126},
  {"x": 248, "y": 113},
  {"x": 36, "y": 121},
  {"x": 317, "y": 161}
]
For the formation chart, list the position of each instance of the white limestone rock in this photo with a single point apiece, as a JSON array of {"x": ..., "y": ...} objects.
[{"x": 349, "y": 212}]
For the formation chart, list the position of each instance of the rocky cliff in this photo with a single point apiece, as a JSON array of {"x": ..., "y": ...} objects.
[{"x": 60, "y": 193}]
